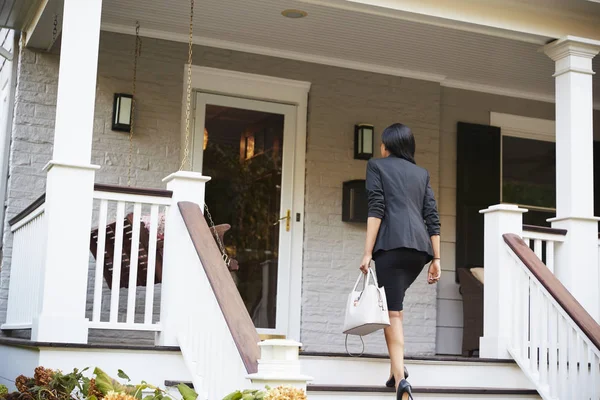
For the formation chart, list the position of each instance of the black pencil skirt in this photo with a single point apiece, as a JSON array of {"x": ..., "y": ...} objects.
[{"x": 396, "y": 270}]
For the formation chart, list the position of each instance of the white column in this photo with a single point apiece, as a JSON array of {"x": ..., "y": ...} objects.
[
  {"x": 279, "y": 365},
  {"x": 577, "y": 258},
  {"x": 498, "y": 283},
  {"x": 70, "y": 182},
  {"x": 186, "y": 186}
]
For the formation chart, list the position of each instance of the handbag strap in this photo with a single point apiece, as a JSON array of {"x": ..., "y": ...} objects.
[
  {"x": 372, "y": 274},
  {"x": 355, "y": 355}
]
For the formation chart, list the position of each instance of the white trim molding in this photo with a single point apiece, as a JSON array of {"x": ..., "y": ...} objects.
[
  {"x": 240, "y": 84},
  {"x": 276, "y": 90},
  {"x": 336, "y": 62},
  {"x": 524, "y": 127}
]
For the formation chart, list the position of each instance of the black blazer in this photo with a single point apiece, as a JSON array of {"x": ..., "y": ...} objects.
[{"x": 400, "y": 195}]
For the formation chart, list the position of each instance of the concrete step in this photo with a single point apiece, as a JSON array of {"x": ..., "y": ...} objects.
[
  {"x": 337, "y": 392},
  {"x": 340, "y": 370}
]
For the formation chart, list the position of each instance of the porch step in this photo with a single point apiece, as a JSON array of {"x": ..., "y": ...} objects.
[
  {"x": 337, "y": 392},
  {"x": 435, "y": 373}
]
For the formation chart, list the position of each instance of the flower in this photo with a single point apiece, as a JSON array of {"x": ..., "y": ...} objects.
[
  {"x": 93, "y": 390},
  {"x": 23, "y": 383},
  {"x": 118, "y": 396},
  {"x": 43, "y": 376},
  {"x": 285, "y": 393}
]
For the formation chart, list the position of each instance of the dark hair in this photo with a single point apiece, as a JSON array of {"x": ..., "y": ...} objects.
[{"x": 398, "y": 139}]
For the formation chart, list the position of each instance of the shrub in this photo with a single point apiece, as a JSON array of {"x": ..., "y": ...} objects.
[
  {"x": 278, "y": 393},
  {"x": 48, "y": 384}
]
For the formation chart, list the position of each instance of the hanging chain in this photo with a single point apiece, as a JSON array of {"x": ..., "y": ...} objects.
[
  {"x": 137, "y": 53},
  {"x": 55, "y": 28},
  {"x": 217, "y": 238},
  {"x": 186, "y": 150}
]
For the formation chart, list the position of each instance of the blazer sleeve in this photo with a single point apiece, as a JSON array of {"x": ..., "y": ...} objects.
[
  {"x": 430, "y": 212},
  {"x": 374, "y": 191}
]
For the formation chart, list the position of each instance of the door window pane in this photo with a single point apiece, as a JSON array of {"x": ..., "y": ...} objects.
[
  {"x": 243, "y": 159},
  {"x": 528, "y": 172}
]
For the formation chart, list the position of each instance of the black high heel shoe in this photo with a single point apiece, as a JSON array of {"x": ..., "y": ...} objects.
[
  {"x": 392, "y": 381},
  {"x": 404, "y": 387}
]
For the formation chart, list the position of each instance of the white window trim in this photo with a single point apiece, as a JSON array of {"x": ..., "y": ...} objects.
[
  {"x": 525, "y": 128},
  {"x": 267, "y": 88}
]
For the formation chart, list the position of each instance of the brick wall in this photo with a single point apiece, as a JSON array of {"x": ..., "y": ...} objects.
[{"x": 339, "y": 98}]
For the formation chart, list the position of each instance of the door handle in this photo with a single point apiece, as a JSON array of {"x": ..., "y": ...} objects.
[{"x": 287, "y": 218}]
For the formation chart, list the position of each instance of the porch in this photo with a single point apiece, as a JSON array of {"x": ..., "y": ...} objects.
[{"x": 253, "y": 58}]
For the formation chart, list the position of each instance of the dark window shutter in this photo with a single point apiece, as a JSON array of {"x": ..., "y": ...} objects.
[{"x": 477, "y": 188}]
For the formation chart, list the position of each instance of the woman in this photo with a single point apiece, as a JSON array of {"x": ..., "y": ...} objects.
[{"x": 403, "y": 235}]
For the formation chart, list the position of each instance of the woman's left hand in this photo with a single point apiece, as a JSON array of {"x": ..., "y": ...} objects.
[
  {"x": 366, "y": 263},
  {"x": 435, "y": 272}
]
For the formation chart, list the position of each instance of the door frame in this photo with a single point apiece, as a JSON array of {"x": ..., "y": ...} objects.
[{"x": 276, "y": 90}]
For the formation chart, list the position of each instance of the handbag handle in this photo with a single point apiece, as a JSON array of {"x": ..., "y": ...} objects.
[{"x": 369, "y": 274}]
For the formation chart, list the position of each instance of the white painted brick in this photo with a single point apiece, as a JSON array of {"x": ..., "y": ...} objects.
[{"x": 339, "y": 99}]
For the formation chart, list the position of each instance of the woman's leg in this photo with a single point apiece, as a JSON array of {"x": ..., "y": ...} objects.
[{"x": 394, "y": 337}]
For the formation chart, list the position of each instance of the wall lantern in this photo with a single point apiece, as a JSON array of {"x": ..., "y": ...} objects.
[
  {"x": 122, "y": 112},
  {"x": 363, "y": 141}
]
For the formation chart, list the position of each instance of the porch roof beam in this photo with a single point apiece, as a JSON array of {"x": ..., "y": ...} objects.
[{"x": 39, "y": 31}]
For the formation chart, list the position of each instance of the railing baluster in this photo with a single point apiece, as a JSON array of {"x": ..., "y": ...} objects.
[
  {"x": 572, "y": 356},
  {"x": 550, "y": 255},
  {"x": 595, "y": 376},
  {"x": 544, "y": 342},
  {"x": 553, "y": 350},
  {"x": 533, "y": 326},
  {"x": 524, "y": 282},
  {"x": 149, "y": 312},
  {"x": 537, "y": 248},
  {"x": 517, "y": 308},
  {"x": 133, "y": 262},
  {"x": 99, "y": 273},
  {"x": 563, "y": 344},
  {"x": 116, "y": 272}
]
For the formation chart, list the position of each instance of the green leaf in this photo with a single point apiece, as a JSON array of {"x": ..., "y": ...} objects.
[
  {"x": 103, "y": 382},
  {"x": 186, "y": 392},
  {"x": 248, "y": 396},
  {"x": 234, "y": 396},
  {"x": 123, "y": 375}
]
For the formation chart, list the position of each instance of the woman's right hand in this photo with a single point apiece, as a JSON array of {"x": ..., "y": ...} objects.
[
  {"x": 435, "y": 271},
  {"x": 366, "y": 263}
]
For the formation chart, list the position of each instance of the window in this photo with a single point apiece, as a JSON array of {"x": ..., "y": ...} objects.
[{"x": 529, "y": 172}]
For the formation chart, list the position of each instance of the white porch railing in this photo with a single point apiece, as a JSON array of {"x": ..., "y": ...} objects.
[
  {"x": 548, "y": 339},
  {"x": 127, "y": 245},
  {"x": 27, "y": 263},
  {"x": 543, "y": 242}
]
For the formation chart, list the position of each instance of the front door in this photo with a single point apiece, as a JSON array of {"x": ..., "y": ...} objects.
[{"x": 247, "y": 148}]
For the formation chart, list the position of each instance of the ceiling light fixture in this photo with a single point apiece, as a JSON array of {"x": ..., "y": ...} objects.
[{"x": 294, "y": 14}]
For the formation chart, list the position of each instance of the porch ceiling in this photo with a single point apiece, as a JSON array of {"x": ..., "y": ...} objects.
[
  {"x": 14, "y": 14},
  {"x": 353, "y": 39}
]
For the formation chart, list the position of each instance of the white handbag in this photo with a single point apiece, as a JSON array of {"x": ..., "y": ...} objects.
[{"x": 366, "y": 310}]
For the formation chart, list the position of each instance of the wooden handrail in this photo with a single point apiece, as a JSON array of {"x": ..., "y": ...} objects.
[
  {"x": 544, "y": 229},
  {"x": 28, "y": 210},
  {"x": 99, "y": 187},
  {"x": 556, "y": 289},
  {"x": 234, "y": 310},
  {"x": 132, "y": 190}
]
